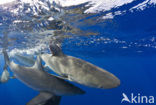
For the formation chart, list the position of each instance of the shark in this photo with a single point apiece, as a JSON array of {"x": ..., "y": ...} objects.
[
  {"x": 78, "y": 70},
  {"x": 51, "y": 87}
]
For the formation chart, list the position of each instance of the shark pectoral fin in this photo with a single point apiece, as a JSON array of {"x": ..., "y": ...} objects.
[
  {"x": 40, "y": 99},
  {"x": 54, "y": 100}
]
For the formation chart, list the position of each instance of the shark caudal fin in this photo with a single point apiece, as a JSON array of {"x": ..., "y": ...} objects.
[
  {"x": 6, "y": 57},
  {"x": 45, "y": 99},
  {"x": 5, "y": 76}
]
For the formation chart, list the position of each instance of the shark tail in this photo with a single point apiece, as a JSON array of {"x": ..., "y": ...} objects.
[{"x": 6, "y": 58}]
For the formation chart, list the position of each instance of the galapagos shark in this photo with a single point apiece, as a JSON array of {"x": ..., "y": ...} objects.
[
  {"x": 50, "y": 87},
  {"x": 78, "y": 70}
]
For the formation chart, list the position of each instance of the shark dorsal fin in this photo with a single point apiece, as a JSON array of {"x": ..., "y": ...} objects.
[
  {"x": 55, "y": 49},
  {"x": 38, "y": 63}
]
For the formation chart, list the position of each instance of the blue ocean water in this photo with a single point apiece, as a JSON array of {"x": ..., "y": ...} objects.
[
  {"x": 137, "y": 75},
  {"x": 125, "y": 46}
]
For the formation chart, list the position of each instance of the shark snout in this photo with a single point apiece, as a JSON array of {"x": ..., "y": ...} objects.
[
  {"x": 116, "y": 82},
  {"x": 113, "y": 83}
]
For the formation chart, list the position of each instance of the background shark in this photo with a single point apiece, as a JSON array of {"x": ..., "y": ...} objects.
[{"x": 50, "y": 86}]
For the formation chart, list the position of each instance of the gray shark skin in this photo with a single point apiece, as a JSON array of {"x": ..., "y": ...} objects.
[
  {"x": 78, "y": 70},
  {"x": 25, "y": 60},
  {"x": 49, "y": 85}
]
